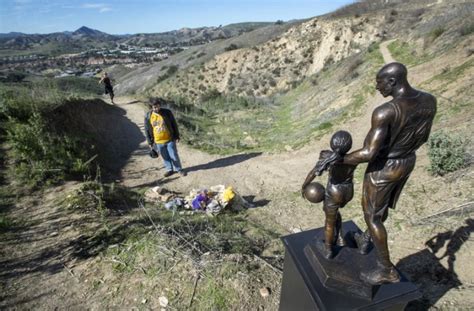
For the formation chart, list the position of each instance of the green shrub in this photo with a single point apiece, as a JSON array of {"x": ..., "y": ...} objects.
[
  {"x": 435, "y": 33},
  {"x": 231, "y": 47},
  {"x": 446, "y": 152},
  {"x": 211, "y": 94},
  {"x": 15, "y": 103},
  {"x": 73, "y": 85},
  {"x": 325, "y": 126},
  {"x": 19, "y": 101},
  {"x": 171, "y": 70},
  {"x": 5, "y": 223},
  {"x": 373, "y": 47},
  {"x": 466, "y": 29},
  {"x": 14, "y": 77},
  {"x": 43, "y": 155},
  {"x": 40, "y": 152}
]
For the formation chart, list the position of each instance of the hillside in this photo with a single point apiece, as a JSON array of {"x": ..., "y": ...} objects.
[
  {"x": 145, "y": 77},
  {"x": 262, "y": 69},
  {"x": 274, "y": 66}
]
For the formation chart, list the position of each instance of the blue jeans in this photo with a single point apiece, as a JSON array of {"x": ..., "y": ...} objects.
[{"x": 170, "y": 156}]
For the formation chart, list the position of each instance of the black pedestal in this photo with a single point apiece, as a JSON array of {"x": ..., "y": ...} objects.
[{"x": 311, "y": 282}]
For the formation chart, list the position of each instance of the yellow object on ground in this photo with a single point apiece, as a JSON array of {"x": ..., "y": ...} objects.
[{"x": 228, "y": 194}]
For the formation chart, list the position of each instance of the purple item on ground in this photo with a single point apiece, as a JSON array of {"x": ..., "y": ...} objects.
[{"x": 199, "y": 200}]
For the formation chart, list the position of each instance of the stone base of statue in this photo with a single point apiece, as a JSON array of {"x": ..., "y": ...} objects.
[{"x": 312, "y": 282}]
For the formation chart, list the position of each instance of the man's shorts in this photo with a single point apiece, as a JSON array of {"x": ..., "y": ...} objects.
[{"x": 383, "y": 182}]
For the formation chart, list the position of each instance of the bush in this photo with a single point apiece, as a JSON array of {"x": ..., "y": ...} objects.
[
  {"x": 446, "y": 152},
  {"x": 211, "y": 94},
  {"x": 231, "y": 47},
  {"x": 13, "y": 77},
  {"x": 466, "y": 29},
  {"x": 437, "y": 32},
  {"x": 171, "y": 70},
  {"x": 73, "y": 85},
  {"x": 5, "y": 223},
  {"x": 373, "y": 47},
  {"x": 42, "y": 153}
]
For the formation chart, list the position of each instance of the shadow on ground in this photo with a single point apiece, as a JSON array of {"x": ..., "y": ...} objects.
[
  {"x": 133, "y": 102},
  {"x": 54, "y": 253},
  {"x": 229, "y": 161},
  {"x": 57, "y": 253},
  {"x": 426, "y": 271},
  {"x": 256, "y": 203},
  {"x": 114, "y": 136}
]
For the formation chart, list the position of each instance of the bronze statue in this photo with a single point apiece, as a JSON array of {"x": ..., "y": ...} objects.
[
  {"x": 314, "y": 192},
  {"x": 339, "y": 189},
  {"x": 399, "y": 127}
]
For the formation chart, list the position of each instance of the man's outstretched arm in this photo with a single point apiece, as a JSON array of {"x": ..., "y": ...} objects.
[{"x": 374, "y": 140}]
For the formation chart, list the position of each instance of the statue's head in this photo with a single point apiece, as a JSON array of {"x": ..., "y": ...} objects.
[
  {"x": 341, "y": 142},
  {"x": 390, "y": 77}
]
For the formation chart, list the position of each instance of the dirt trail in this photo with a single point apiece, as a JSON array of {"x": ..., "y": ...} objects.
[
  {"x": 387, "y": 57},
  {"x": 257, "y": 175}
]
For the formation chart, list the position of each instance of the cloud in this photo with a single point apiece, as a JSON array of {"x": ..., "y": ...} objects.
[{"x": 101, "y": 7}]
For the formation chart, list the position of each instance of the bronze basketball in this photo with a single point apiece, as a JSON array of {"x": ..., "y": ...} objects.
[{"x": 314, "y": 192}]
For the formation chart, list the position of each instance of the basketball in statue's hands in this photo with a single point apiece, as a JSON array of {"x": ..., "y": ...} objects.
[{"x": 314, "y": 192}]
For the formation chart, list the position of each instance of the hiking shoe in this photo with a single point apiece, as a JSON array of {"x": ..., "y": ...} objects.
[
  {"x": 183, "y": 173},
  {"x": 168, "y": 173}
]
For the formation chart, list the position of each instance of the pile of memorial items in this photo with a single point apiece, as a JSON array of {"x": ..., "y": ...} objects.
[{"x": 212, "y": 200}]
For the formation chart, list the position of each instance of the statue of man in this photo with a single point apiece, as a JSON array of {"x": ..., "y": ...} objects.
[{"x": 399, "y": 127}]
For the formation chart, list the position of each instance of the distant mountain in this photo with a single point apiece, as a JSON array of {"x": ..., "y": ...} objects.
[
  {"x": 192, "y": 36},
  {"x": 89, "y": 32},
  {"x": 86, "y": 38},
  {"x": 56, "y": 43},
  {"x": 12, "y": 34},
  {"x": 83, "y": 31}
]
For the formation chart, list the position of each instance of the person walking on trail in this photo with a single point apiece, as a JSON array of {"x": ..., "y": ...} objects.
[
  {"x": 108, "y": 86},
  {"x": 162, "y": 135}
]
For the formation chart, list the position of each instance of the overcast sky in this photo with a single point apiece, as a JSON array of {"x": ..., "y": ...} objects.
[{"x": 141, "y": 16}]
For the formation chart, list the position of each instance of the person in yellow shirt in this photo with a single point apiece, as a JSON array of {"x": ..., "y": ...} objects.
[{"x": 162, "y": 135}]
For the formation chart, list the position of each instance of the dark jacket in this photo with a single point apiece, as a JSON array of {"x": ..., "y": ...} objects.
[{"x": 170, "y": 123}]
